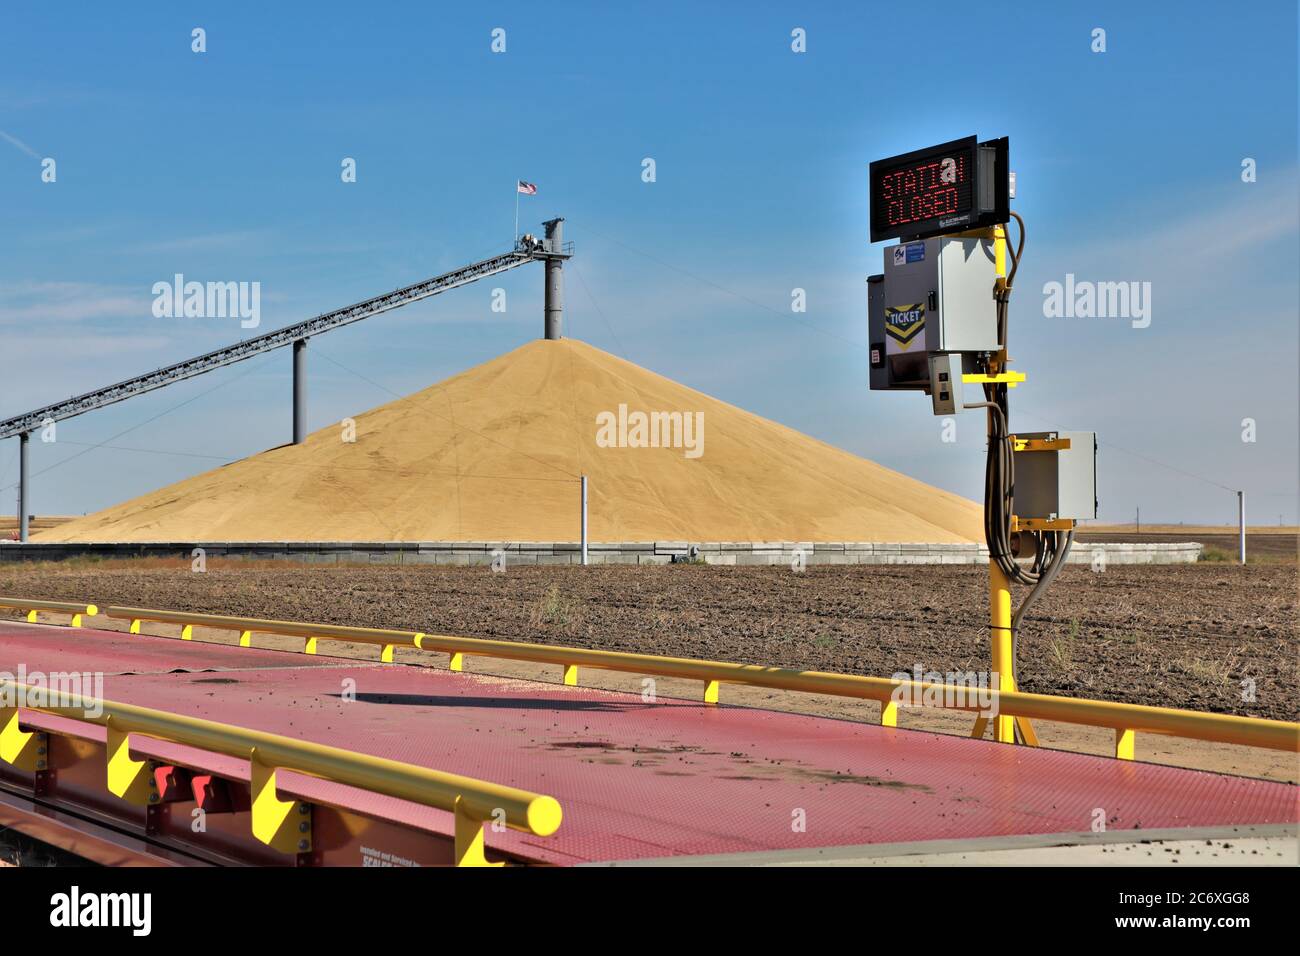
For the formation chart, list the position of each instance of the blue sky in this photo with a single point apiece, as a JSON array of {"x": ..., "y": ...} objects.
[{"x": 225, "y": 166}]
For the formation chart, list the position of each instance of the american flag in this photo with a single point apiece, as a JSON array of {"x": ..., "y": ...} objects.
[{"x": 528, "y": 189}]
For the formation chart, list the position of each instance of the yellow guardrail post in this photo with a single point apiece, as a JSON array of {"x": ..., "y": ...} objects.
[
  {"x": 26, "y": 750},
  {"x": 1125, "y": 743},
  {"x": 283, "y": 825},
  {"x": 128, "y": 778},
  {"x": 469, "y": 838},
  {"x": 711, "y": 689},
  {"x": 889, "y": 713}
]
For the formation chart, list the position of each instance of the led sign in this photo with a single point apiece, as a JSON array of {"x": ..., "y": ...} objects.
[{"x": 944, "y": 189}]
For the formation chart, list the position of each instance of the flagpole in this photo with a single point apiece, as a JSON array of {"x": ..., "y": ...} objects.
[{"x": 516, "y": 212}]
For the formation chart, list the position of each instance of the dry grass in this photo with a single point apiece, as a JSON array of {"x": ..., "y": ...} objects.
[
  {"x": 19, "y": 850},
  {"x": 1089, "y": 528},
  {"x": 558, "y": 609},
  {"x": 1215, "y": 671}
]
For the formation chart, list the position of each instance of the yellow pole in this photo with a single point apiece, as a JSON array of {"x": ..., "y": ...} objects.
[
  {"x": 1000, "y": 641},
  {"x": 999, "y": 586},
  {"x": 1000, "y": 250},
  {"x": 1000, "y": 264}
]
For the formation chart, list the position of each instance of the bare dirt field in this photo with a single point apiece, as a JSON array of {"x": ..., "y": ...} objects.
[
  {"x": 1194, "y": 636},
  {"x": 1290, "y": 530},
  {"x": 1266, "y": 545}
]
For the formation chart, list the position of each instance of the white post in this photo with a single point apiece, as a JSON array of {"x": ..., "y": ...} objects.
[
  {"x": 22, "y": 487},
  {"x": 584, "y": 519},
  {"x": 1241, "y": 524}
]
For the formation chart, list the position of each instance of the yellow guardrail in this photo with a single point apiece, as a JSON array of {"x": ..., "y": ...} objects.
[
  {"x": 1126, "y": 720},
  {"x": 29, "y": 607},
  {"x": 282, "y": 824},
  {"x": 248, "y": 626}
]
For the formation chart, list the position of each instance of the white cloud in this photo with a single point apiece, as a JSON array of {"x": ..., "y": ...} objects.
[
  {"x": 32, "y": 303},
  {"x": 201, "y": 243},
  {"x": 20, "y": 144}
]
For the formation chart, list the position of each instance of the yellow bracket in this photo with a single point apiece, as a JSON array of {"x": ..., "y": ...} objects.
[
  {"x": 128, "y": 778},
  {"x": 889, "y": 713},
  {"x": 711, "y": 692},
  {"x": 1009, "y": 379},
  {"x": 980, "y": 728},
  {"x": 187, "y": 632},
  {"x": 24, "y": 750},
  {"x": 135, "y": 627},
  {"x": 1041, "y": 524},
  {"x": 31, "y": 617},
  {"x": 245, "y": 638},
  {"x": 282, "y": 825},
  {"x": 91, "y": 611},
  {"x": 1125, "y": 744},
  {"x": 386, "y": 655},
  {"x": 469, "y": 838},
  {"x": 310, "y": 647},
  {"x": 570, "y": 675},
  {"x": 1039, "y": 444}
]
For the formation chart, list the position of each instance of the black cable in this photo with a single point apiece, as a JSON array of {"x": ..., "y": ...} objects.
[{"x": 1051, "y": 549}]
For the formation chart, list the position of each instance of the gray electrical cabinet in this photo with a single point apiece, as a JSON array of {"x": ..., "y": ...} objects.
[
  {"x": 1057, "y": 484},
  {"x": 935, "y": 296}
]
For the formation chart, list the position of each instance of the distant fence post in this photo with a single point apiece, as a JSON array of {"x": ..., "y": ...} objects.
[
  {"x": 22, "y": 487},
  {"x": 1241, "y": 525},
  {"x": 584, "y": 519}
]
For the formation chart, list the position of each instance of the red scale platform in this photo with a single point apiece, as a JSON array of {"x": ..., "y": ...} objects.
[{"x": 640, "y": 780}]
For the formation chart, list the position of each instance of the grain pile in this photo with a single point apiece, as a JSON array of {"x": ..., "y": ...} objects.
[{"x": 494, "y": 454}]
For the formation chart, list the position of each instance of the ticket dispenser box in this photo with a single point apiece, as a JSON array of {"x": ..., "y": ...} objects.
[{"x": 934, "y": 297}]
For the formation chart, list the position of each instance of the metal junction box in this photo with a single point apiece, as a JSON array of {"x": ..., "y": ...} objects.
[
  {"x": 1057, "y": 484},
  {"x": 935, "y": 296}
]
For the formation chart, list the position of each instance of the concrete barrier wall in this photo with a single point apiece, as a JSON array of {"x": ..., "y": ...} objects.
[{"x": 568, "y": 552}]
